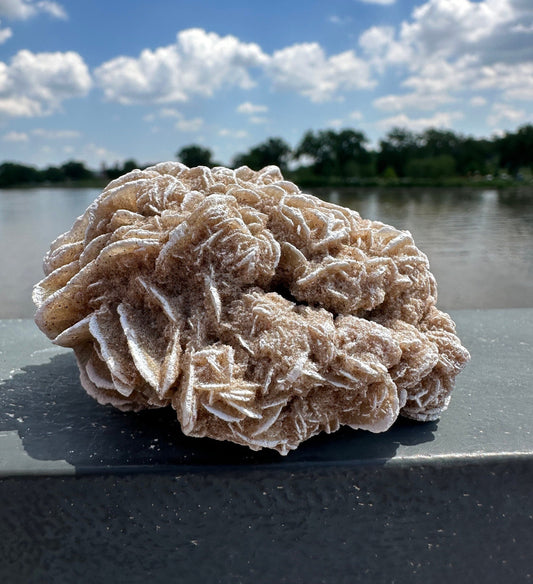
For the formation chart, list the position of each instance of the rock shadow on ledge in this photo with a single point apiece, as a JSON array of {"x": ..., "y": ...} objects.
[{"x": 57, "y": 421}]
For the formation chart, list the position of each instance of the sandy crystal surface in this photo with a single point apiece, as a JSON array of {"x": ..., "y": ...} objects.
[{"x": 260, "y": 314}]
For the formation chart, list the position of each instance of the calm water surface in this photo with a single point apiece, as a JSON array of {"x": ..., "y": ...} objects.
[{"x": 479, "y": 243}]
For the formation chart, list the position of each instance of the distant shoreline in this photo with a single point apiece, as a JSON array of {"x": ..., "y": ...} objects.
[
  {"x": 455, "y": 182},
  {"x": 91, "y": 183}
]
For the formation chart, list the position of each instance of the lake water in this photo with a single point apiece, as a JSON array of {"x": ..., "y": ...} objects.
[{"x": 479, "y": 243}]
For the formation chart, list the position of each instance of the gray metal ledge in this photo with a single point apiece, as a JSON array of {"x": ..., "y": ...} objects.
[{"x": 90, "y": 494}]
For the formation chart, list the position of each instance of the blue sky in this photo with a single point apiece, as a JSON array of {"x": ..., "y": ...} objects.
[{"x": 105, "y": 81}]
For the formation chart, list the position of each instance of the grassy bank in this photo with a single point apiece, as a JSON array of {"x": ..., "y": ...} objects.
[
  {"x": 88, "y": 183},
  {"x": 408, "y": 182},
  {"x": 306, "y": 180}
]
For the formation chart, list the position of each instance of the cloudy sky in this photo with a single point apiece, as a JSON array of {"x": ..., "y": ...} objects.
[{"x": 102, "y": 81}]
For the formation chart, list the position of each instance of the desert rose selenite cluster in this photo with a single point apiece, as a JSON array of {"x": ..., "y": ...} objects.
[{"x": 260, "y": 314}]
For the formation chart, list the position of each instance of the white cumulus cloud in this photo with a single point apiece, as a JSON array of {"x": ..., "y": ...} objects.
[
  {"x": 5, "y": 34},
  {"x": 227, "y": 133},
  {"x": 199, "y": 63},
  {"x": 381, "y": 2},
  {"x": 478, "y": 101},
  {"x": 170, "y": 112},
  {"x": 502, "y": 113},
  {"x": 438, "y": 120},
  {"x": 35, "y": 84},
  {"x": 452, "y": 26},
  {"x": 515, "y": 81},
  {"x": 251, "y": 108},
  {"x": 382, "y": 47},
  {"x": 410, "y": 101},
  {"x": 189, "y": 125},
  {"x": 306, "y": 69},
  {"x": 15, "y": 137},
  {"x": 335, "y": 123},
  {"x": 182, "y": 124},
  {"x": 449, "y": 49},
  {"x": 52, "y": 8},
  {"x": 24, "y": 9},
  {"x": 339, "y": 20},
  {"x": 55, "y": 134}
]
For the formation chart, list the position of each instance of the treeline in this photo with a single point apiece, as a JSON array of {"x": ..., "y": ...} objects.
[
  {"x": 329, "y": 156},
  {"x": 339, "y": 157},
  {"x": 72, "y": 172}
]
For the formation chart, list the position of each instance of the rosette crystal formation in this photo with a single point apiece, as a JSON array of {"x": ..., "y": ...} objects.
[{"x": 262, "y": 315}]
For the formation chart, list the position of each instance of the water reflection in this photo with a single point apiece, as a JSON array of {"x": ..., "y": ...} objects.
[
  {"x": 479, "y": 242},
  {"x": 30, "y": 219}
]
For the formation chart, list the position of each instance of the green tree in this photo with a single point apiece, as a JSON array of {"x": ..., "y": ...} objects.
[
  {"x": 129, "y": 165},
  {"x": 395, "y": 150},
  {"x": 516, "y": 149},
  {"x": 12, "y": 174},
  {"x": 195, "y": 155},
  {"x": 475, "y": 155},
  {"x": 433, "y": 167},
  {"x": 53, "y": 174},
  {"x": 117, "y": 170},
  {"x": 75, "y": 170},
  {"x": 273, "y": 151},
  {"x": 340, "y": 154},
  {"x": 436, "y": 142},
  {"x": 389, "y": 173}
]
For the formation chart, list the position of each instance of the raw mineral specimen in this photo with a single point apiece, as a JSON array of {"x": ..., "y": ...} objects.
[{"x": 260, "y": 314}]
